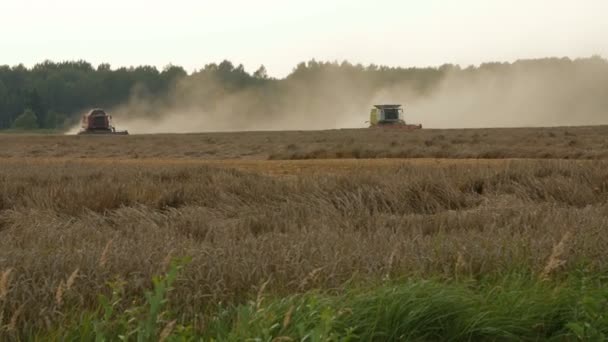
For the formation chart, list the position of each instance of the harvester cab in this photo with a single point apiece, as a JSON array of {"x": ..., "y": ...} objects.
[
  {"x": 389, "y": 115},
  {"x": 97, "y": 121}
]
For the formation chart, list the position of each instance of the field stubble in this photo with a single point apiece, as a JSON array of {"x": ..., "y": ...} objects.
[{"x": 545, "y": 143}]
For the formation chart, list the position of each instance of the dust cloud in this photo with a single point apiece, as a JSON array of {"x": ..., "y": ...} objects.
[
  {"x": 553, "y": 92},
  {"x": 517, "y": 96}
]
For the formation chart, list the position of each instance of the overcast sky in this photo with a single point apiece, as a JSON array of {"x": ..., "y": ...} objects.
[{"x": 281, "y": 33}]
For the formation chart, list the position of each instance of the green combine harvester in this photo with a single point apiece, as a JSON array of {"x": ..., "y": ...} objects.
[{"x": 389, "y": 116}]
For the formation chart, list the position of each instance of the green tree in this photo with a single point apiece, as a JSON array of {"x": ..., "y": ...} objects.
[
  {"x": 104, "y": 67},
  {"x": 261, "y": 73},
  {"x": 35, "y": 103},
  {"x": 3, "y": 105},
  {"x": 54, "y": 120},
  {"x": 27, "y": 120}
]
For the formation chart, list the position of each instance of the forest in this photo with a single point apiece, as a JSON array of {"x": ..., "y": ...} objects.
[{"x": 52, "y": 95}]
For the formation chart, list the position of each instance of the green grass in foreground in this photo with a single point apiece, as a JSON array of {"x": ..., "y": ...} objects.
[{"x": 514, "y": 307}]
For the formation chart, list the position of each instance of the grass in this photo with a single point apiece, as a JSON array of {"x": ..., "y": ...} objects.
[
  {"x": 464, "y": 251},
  {"x": 417, "y": 310},
  {"x": 515, "y": 307}
]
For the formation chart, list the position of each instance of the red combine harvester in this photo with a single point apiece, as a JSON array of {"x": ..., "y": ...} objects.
[{"x": 97, "y": 121}]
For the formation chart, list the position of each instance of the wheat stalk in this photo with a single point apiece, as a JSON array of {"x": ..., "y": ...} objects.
[
  {"x": 260, "y": 297},
  {"x": 461, "y": 263},
  {"x": 15, "y": 318},
  {"x": 59, "y": 293},
  {"x": 288, "y": 315},
  {"x": 166, "y": 263},
  {"x": 167, "y": 331},
  {"x": 65, "y": 286},
  {"x": 391, "y": 260},
  {"x": 70, "y": 282},
  {"x": 310, "y": 277},
  {"x": 557, "y": 259},
  {"x": 5, "y": 283},
  {"x": 103, "y": 259}
]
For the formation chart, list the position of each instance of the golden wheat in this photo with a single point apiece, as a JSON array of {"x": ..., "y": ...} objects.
[
  {"x": 288, "y": 315},
  {"x": 558, "y": 257},
  {"x": 5, "y": 283},
  {"x": 71, "y": 279},
  {"x": 461, "y": 264},
  {"x": 310, "y": 277},
  {"x": 391, "y": 260},
  {"x": 103, "y": 259},
  {"x": 59, "y": 293},
  {"x": 260, "y": 296},
  {"x": 167, "y": 330},
  {"x": 83, "y": 225},
  {"x": 12, "y": 325}
]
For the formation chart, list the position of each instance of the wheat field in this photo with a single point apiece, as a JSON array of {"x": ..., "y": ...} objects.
[
  {"x": 543, "y": 143},
  {"x": 71, "y": 226}
]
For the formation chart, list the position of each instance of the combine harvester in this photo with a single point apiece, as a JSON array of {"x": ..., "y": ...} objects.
[
  {"x": 98, "y": 122},
  {"x": 389, "y": 116}
]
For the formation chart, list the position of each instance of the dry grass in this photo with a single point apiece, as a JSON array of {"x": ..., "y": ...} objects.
[
  {"x": 572, "y": 143},
  {"x": 70, "y": 227}
]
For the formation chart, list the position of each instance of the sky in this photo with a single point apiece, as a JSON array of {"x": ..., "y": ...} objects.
[{"x": 281, "y": 33}]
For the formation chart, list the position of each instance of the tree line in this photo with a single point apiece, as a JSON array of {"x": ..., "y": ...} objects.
[{"x": 53, "y": 95}]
